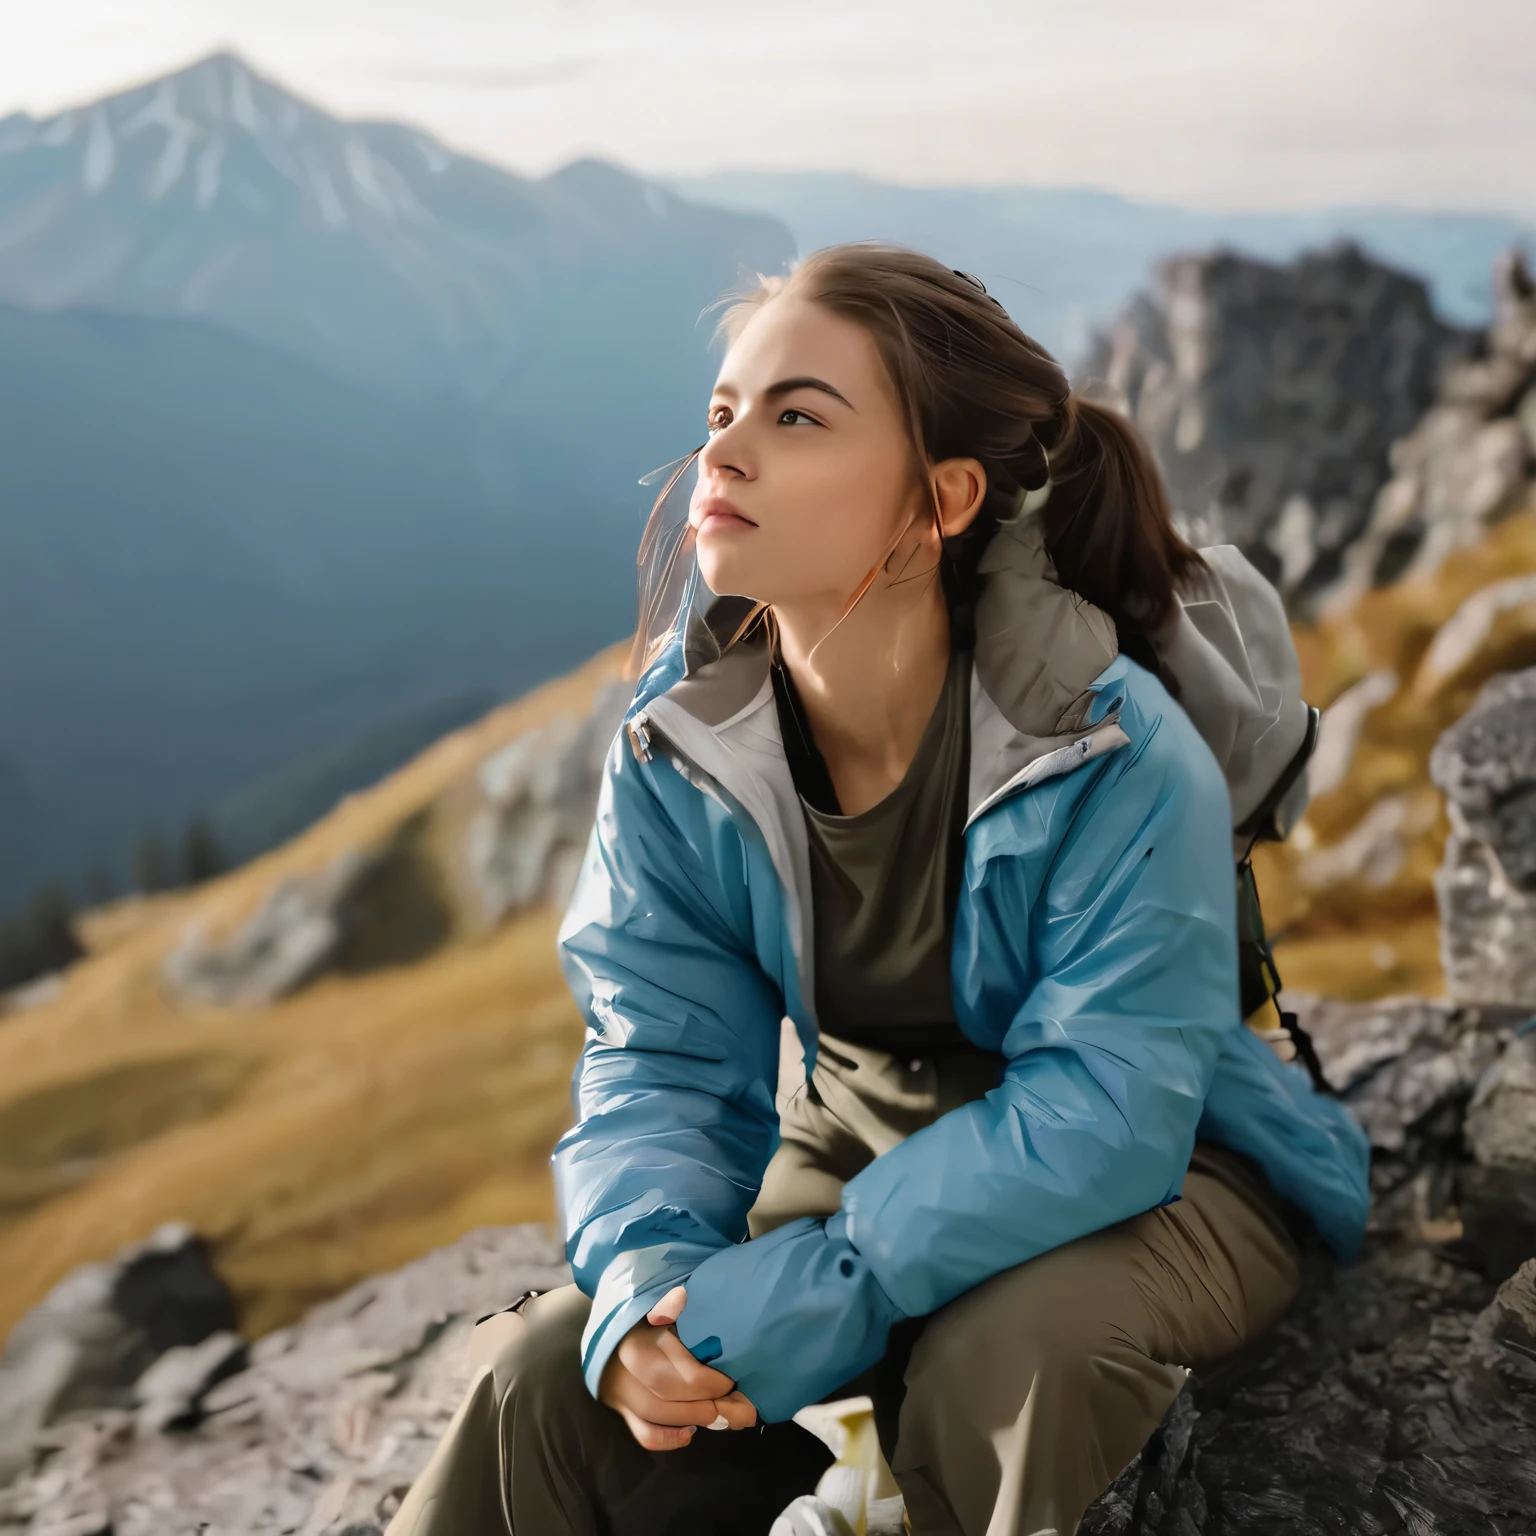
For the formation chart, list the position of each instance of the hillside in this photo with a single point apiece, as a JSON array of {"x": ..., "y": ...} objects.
[{"x": 338, "y": 1132}]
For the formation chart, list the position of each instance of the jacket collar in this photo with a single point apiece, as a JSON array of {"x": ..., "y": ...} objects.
[{"x": 1039, "y": 647}]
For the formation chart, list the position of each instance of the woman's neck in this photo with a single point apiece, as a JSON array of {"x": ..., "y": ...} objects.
[{"x": 872, "y": 685}]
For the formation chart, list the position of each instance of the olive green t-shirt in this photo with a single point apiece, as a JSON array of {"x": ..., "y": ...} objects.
[{"x": 884, "y": 882}]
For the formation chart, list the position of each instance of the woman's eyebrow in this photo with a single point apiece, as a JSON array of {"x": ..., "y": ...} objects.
[{"x": 787, "y": 386}]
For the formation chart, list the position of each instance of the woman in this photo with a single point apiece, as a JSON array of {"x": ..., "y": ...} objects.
[{"x": 914, "y": 784}]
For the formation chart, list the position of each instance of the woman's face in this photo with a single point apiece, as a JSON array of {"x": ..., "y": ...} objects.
[{"x": 807, "y": 447}]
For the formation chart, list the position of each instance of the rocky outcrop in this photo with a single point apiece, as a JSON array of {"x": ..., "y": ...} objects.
[
  {"x": 1486, "y": 765},
  {"x": 296, "y": 933},
  {"x": 533, "y": 803},
  {"x": 1272, "y": 397},
  {"x": 88, "y": 1342},
  {"x": 538, "y": 796},
  {"x": 1470, "y": 460},
  {"x": 1398, "y": 1395},
  {"x": 325, "y": 1429}
]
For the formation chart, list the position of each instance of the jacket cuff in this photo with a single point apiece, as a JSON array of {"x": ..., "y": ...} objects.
[
  {"x": 789, "y": 1316},
  {"x": 631, "y": 1284}
]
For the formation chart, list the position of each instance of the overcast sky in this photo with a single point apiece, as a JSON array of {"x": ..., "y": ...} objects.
[{"x": 1225, "y": 103}]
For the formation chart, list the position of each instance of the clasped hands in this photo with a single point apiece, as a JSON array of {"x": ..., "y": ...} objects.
[{"x": 662, "y": 1392}]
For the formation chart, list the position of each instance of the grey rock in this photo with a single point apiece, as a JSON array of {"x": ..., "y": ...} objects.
[
  {"x": 326, "y": 1426},
  {"x": 1399, "y": 1393},
  {"x": 171, "y": 1390},
  {"x": 94, "y": 1334},
  {"x": 1338, "y": 732},
  {"x": 538, "y": 796},
  {"x": 1272, "y": 397},
  {"x": 1498, "y": 1193},
  {"x": 1486, "y": 885},
  {"x": 294, "y": 935},
  {"x": 1468, "y": 461}
]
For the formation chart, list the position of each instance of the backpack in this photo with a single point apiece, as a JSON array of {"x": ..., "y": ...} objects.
[{"x": 1229, "y": 646}]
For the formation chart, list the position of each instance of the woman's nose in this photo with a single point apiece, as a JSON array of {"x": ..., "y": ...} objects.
[{"x": 726, "y": 452}]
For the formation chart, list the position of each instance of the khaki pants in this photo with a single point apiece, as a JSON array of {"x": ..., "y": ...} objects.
[{"x": 1005, "y": 1412}]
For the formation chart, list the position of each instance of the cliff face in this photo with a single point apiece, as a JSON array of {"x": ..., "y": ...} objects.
[
  {"x": 1272, "y": 396},
  {"x": 1437, "y": 596}
]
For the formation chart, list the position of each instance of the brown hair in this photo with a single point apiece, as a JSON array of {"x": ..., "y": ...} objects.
[{"x": 972, "y": 384}]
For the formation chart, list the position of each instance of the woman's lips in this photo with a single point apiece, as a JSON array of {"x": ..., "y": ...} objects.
[
  {"x": 716, "y": 512},
  {"x": 713, "y": 520}
]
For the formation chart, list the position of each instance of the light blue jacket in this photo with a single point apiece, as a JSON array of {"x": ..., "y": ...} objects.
[{"x": 1094, "y": 946}]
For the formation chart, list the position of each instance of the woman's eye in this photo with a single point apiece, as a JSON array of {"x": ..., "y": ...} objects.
[{"x": 721, "y": 418}]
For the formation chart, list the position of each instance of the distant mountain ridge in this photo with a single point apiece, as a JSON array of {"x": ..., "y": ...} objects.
[
  {"x": 1063, "y": 260},
  {"x": 368, "y": 248},
  {"x": 314, "y": 437}
]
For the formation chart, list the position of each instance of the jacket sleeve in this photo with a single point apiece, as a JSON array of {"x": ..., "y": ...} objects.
[
  {"x": 1108, "y": 956},
  {"x": 673, "y": 1092}
]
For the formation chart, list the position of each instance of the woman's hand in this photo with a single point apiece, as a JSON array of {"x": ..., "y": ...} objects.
[{"x": 663, "y": 1393}]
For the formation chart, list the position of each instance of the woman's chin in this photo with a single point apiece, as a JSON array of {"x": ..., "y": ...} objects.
[{"x": 725, "y": 577}]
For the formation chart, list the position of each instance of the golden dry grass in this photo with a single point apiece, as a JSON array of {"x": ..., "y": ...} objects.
[
  {"x": 337, "y": 1133},
  {"x": 1337, "y": 935}
]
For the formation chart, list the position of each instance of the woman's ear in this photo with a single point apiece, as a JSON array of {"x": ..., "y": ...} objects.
[{"x": 959, "y": 487}]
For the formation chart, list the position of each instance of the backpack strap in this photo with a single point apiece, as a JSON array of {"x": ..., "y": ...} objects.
[
  {"x": 1259, "y": 977},
  {"x": 1259, "y": 825}
]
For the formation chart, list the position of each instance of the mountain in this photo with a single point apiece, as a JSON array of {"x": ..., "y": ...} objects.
[
  {"x": 314, "y": 438},
  {"x": 368, "y": 248},
  {"x": 1063, "y": 261}
]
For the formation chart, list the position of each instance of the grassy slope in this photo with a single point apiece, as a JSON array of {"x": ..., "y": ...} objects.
[{"x": 340, "y": 1132}]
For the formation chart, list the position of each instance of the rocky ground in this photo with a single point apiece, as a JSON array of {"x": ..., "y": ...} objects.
[{"x": 1399, "y": 1394}]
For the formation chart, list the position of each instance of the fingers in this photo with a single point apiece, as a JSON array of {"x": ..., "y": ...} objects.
[
  {"x": 625, "y": 1391},
  {"x": 693, "y": 1378},
  {"x": 657, "y": 1437},
  {"x": 669, "y": 1308},
  {"x": 735, "y": 1412},
  {"x": 661, "y": 1361}
]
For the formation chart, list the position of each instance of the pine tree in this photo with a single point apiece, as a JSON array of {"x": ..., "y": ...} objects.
[
  {"x": 201, "y": 856},
  {"x": 151, "y": 866},
  {"x": 41, "y": 939}
]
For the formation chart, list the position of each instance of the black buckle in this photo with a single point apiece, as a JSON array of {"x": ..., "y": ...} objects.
[{"x": 517, "y": 1306}]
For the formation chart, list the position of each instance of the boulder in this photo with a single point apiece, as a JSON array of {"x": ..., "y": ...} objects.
[
  {"x": 1399, "y": 1393},
  {"x": 94, "y": 1334},
  {"x": 171, "y": 1390},
  {"x": 1486, "y": 885},
  {"x": 1498, "y": 1192},
  {"x": 322, "y": 1428}
]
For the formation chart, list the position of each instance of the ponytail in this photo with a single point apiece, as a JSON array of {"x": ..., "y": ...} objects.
[{"x": 1108, "y": 527}]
